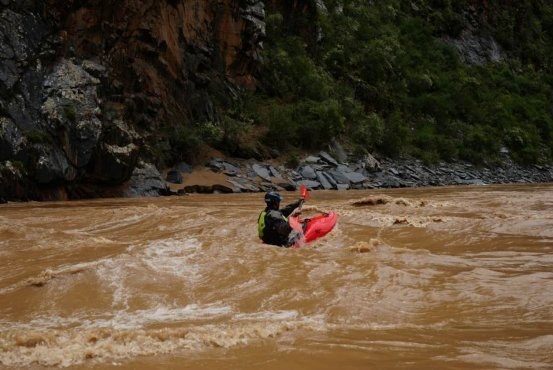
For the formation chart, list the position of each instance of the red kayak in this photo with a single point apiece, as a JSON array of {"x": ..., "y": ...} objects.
[{"x": 316, "y": 227}]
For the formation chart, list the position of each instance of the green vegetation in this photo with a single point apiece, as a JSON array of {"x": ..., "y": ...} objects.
[
  {"x": 70, "y": 113},
  {"x": 18, "y": 166},
  {"x": 38, "y": 137},
  {"x": 381, "y": 78}
]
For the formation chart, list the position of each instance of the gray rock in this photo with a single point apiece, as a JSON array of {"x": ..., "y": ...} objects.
[
  {"x": 52, "y": 166},
  {"x": 473, "y": 182},
  {"x": 393, "y": 171},
  {"x": 174, "y": 177},
  {"x": 11, "y": 178},
  {"x": 370, "y": 163},
  {"x": 23, "y": 33},
  {"x": 339, "y": 177},
  {"x": 355, "y": 177},
  {"x": 255, "y": 14},
  {"x": 70, "y": 107},
  {"x": 274, "y": 172},
  {"x": 95, "y": 69},
  {"x": 116, "y": 157},
  {"x": 9, "y": 74},
  {"x": 287, "y": 186},
  {"x": 310, "y": 184},
  {"x": 308, "y": 172},
  {"x": 11, "y": 139},
  {"x": 20, "y": 111},
  {"x": 230, "y": 169},
  {"x": 216, "y": 164},
  {"x": 343, "y": 168},
  {"x": 311, "y": 159},
  {"x": 262, "y": 172},
  {"x": 477, "y": 50},
  {"x": 243, "y": 186},
  {"x": 183, "y": 167},
  {"x": 328, "y": 158},
  {"x": 146, "y": 181},
  {"x": 323, "y": 181},
  {"x": 330, "y": 179}
]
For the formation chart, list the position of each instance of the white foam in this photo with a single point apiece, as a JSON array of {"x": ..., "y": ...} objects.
[
  {"x": 171, "y": 256},
  {"x": 167, "y": 256},
  {"x": 105, "y": 340},
  {"x": 113, "y": 271},
  {"x": 121, "y": 222},
  {"x": 124, "y": 320},
  {"x": 269, "y": 316}
]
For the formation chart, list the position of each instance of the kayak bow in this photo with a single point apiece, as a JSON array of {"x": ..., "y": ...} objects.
[{"x": 315, "y": 227}]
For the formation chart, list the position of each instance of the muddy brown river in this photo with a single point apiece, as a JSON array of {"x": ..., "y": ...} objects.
[{"x": 430, "y": 278}]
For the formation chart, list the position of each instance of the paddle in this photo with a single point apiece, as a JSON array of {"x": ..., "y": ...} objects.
[{"x": 304, "y": 194}]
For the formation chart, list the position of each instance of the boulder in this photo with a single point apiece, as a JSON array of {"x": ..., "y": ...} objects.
[
  {"x": 11, "y": 181},
  {"x": 308, "y": 172},
  {"x": 183, "y": 167},
  {"x": 174, "y": 177},
  {"x": 370, "y": 163},
  {"x": 355, "y": 177},
  {"x": 310, "y": 184},
  {"x": 117, "y": 155},
  {"x": 312, "y": 159},
  {"x": 71, "y": 110},
  {"x": 324, "y": 181},
  {"x": 146, "y": 181},
  {"x": 230, "y": 169},
  {"x": 330, "y": 179},
  {"x": 262, "y": 172},
  {"x": 274, "y": 172},
  {"x": 328, "y": 158},
  {"x": 216, "y": 164},
  {"x": 242, "y": 186},
  {"x": 11, "y": 140},
  {"x": 52, "y": 166},
  {"x": 339, "y": 177}
]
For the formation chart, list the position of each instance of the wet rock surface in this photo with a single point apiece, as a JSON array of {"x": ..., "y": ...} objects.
[
  {"x": 145, "y": 181},
  {"x": 86, "y": 88},
  {"x": 323, "y": 172}
]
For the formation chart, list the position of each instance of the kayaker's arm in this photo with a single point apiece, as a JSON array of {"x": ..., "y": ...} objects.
[{"x": 287, "y": 211}]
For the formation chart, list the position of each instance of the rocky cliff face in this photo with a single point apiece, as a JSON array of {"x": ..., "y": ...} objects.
[
  {"x": 89, "y": 88},
  {"x": 85, "y": 86}
]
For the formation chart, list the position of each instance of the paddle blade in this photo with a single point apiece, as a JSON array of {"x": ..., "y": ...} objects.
[{"x": 304, "y": 193}]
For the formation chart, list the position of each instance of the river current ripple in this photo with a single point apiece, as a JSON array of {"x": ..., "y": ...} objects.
[{"x": 428, "y": 278}]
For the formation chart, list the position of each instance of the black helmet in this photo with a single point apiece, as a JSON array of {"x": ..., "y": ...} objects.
[{"x": 273, "y": 197}]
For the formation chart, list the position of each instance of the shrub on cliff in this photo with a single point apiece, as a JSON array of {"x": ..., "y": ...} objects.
[{"x": 380, "y": 76}]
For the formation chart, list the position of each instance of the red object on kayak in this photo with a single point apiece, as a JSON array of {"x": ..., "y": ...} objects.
[
  {"x": 317, "y": 226},
  {"x": 304, "y": 193}
]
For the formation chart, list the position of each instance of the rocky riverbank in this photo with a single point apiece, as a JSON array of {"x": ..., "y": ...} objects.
[{"x": 324, "y": 171}]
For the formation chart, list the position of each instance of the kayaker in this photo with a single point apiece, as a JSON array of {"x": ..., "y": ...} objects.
[{"x": 272, "y": 224}]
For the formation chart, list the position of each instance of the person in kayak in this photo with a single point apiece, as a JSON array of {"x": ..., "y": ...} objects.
[{"x": 272, "y": 224}]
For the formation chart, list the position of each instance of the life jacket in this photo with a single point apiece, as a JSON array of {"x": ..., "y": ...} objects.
[
  {"x": 267, "y": 231},
  {"x": 261, "y": 224}
]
